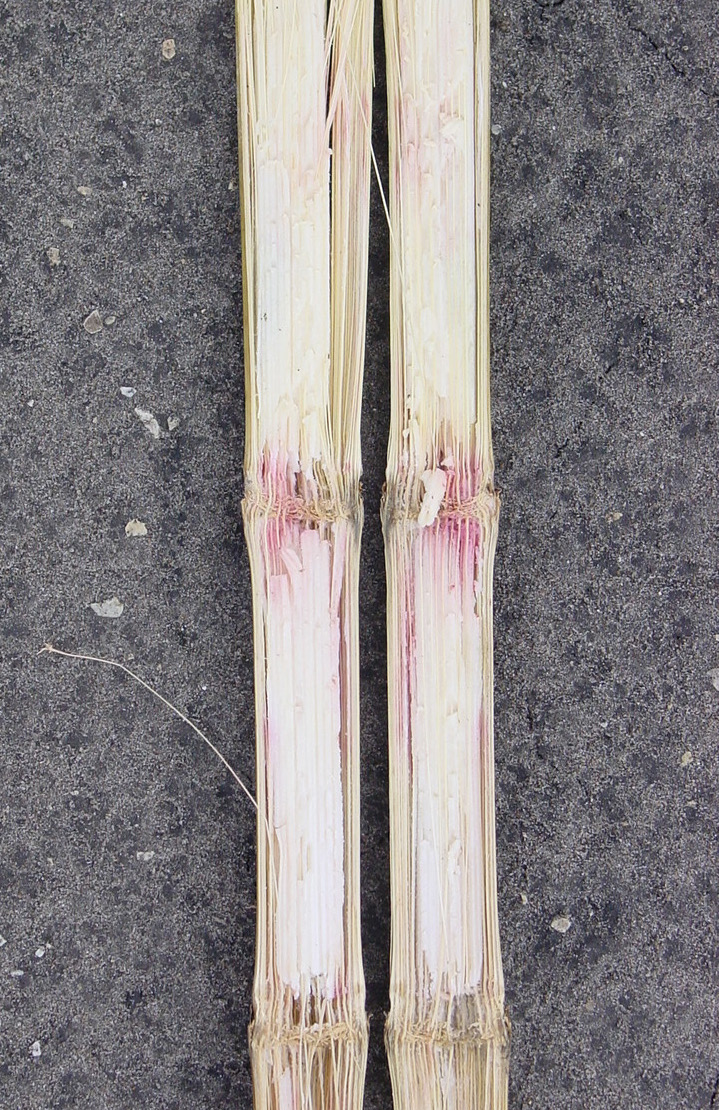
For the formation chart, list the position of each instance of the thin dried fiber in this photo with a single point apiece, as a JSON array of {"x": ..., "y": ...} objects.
[
  {"x": 447, "y": 1035},
  {"x": 304, "y": 100}
]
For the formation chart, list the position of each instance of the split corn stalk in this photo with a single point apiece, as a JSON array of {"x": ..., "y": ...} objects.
[
  {"x": 447, "y": 1035},
  {"x": 304, "y": 102}
]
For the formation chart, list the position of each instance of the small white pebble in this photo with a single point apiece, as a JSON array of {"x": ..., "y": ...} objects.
[
  {"x": 31, "y": 403},
  {"x": 168, "y": 49},
  {"x": 496, "y": 129},
  {"x": 686, "y": 759},
  {"x": 135, "y": 528},
  {"x": 84, "y": 190},
  {"x": 148, "y": 421},
  {"x": 145, "y": 857},
  {"x": 40, "y": 952},
  {"x": 53, "y": 256},
  {"x": 714, "y": 676},
  {"x": 36, "y": 1049},
  {"x": 172, "y": 423},
  {"x": 561, "y": 923},
  {"x": 17, "y": 973},
  {"x": 524, "y": 898},
  {"x": 67, "y": 222},
  {"x": 3, "y": 942},
  {"x": 127, "y": 391},
  {"x": 111, "y": 607},
  {"x": 109, "y": 321},
  {"x": 93, "y": 322}
]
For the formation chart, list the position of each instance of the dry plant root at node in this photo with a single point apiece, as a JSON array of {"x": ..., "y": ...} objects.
[
  {"x": 447, "y": 1034},
  {"x": 304, "y": 98}
]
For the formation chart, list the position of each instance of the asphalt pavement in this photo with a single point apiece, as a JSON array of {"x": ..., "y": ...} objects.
[{"x": 126, "y": 851}]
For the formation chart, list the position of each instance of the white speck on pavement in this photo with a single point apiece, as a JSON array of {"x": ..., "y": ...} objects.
[{"x": 110, "y": 607}]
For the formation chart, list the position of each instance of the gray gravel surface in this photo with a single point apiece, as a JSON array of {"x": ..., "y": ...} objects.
[{"x": 126, "y": 854}]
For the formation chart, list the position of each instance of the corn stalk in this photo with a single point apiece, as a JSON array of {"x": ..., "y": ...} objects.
[
  {"x": 304, "y": 100},
  {"x": 447, "y": 1035}
]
